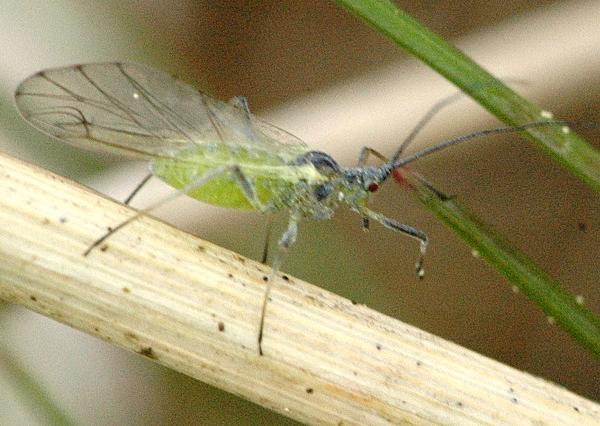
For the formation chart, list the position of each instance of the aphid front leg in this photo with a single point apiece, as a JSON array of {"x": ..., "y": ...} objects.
[
  {"x": 365, "y": 151},
  {"x": 405, "y": 229},
  {"x": 285, "y": 242}
]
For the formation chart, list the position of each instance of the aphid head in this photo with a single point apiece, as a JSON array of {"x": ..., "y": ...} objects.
[{"x": 360, "y": 182}]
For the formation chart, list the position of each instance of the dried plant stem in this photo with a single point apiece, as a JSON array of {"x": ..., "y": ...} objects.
[{"x": 194, "y": 307}]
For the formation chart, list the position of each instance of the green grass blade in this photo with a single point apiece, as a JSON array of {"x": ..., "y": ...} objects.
[
  {"x": 567, "y": 148},
  {"x": 537, "y": 285}
]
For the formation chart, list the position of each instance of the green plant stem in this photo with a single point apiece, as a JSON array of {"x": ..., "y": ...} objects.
[
  {"x": 561, "y": 144},
  {"x": 537, "y": 285}
]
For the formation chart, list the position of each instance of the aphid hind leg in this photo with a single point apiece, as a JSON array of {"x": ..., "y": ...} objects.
[
  {"x": 405, "y": 229},
  {"x": 137, "y": 189},
  {"x": 196, "y": 183},
  {"x": 285, "y": 242}
]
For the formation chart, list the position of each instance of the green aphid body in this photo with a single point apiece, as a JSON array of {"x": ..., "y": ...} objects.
[
  {"x": 278, "y": 184},
  {"x": 214, "y": 151}
]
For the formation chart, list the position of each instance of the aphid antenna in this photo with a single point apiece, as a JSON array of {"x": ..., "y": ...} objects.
[
  {"x": 443, "y": 103},
  {"x": 397, "y": 162}
]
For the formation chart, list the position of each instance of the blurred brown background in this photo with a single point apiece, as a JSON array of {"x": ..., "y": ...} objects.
[{"x": 312, "y": 68}]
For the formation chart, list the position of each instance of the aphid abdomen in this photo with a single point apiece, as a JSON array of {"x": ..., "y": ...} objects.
[{"x": 262, "y": 172}]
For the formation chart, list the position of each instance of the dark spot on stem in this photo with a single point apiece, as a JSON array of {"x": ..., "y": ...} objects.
[
  {"x": 285, "y": 277},
  {"x": 265, "y": 278},
  {"x": 378, "y": 346},
  {"x": 309, "y": 390},
  {"x": 104, "y": 247},
  {"x": 62, "y": 219},
  {"x": 221, "y": 326},
  {"x": 33, "y": 298},
  {"x": 147, "y": 351},
  {"x": 126, "y": 290},
  {"x": 131, "y": 335}
]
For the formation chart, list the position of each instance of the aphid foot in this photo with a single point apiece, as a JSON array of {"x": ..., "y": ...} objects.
[{"x": 420, "y": 270}]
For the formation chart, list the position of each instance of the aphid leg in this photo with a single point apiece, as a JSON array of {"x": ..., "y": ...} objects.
[
  {"x": 194, "y": 184},
  {"x": 364, "y": 156},
  {"x": 285, "y": 242},
  {"x": 247, "y": 188},
  {"x": 250, "y": 192},
  {"x": 137, "y": 189},
  {"x": 265, "y": 252},
  {"x": 365, "y": 151},
  {"x": 241, "y": 102},
  {"x": 365, "y": 223},
  {"x": 405, "y": 229},
  {"x": 214, "y": 121}
]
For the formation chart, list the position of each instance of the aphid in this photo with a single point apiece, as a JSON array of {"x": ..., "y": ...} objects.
[{"x": 214, "y": 151}]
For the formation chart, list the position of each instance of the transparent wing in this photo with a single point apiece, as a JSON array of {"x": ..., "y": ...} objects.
[{"x": 134, "y": 110}]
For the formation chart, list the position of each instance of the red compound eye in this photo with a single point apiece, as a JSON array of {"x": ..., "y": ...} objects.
[{"x": 373, "y": 187}]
